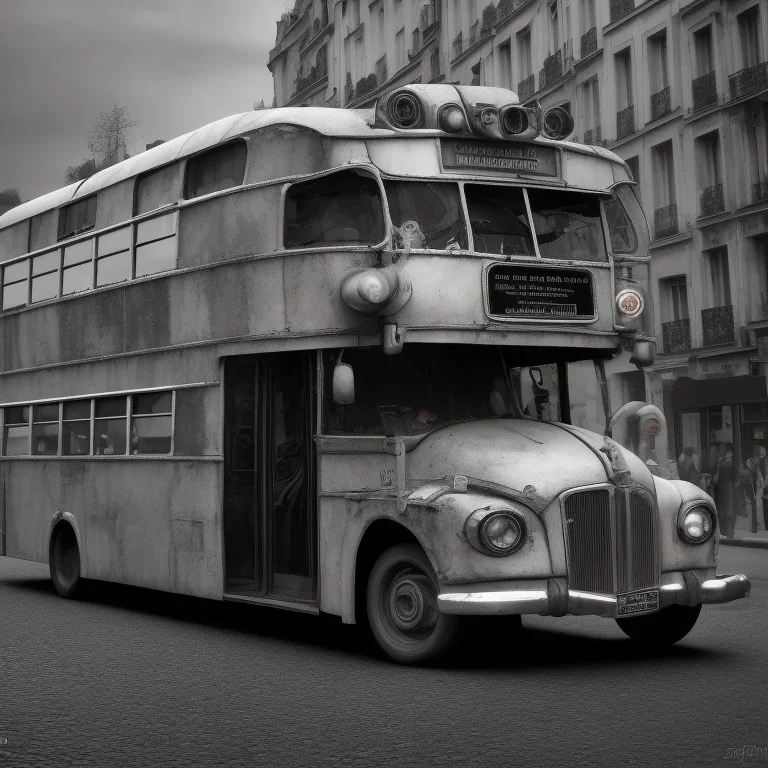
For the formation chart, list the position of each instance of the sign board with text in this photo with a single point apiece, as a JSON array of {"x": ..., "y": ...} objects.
[{"x": 472, "y": 155}]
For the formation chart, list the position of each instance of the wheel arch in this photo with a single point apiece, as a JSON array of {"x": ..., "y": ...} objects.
[{"x": 64, "y": 519}]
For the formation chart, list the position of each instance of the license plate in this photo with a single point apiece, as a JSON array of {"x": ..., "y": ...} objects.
[{"x": 637, "y": 602}]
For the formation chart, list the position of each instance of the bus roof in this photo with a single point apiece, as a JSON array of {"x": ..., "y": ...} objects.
[{"x": 329, "y": 121}]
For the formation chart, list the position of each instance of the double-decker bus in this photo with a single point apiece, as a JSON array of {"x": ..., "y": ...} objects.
[{"x": 352, "y": 362}]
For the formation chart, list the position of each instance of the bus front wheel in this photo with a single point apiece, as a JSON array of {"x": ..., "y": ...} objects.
[
  {"x": 402, "y": 606},
  {"x": 65, "y": 561},
  {"x": 661, "y": 629}
]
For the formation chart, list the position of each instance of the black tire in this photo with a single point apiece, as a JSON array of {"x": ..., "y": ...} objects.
[
  {"x": 64, "y": 558},
  {"x": 661, "y": 629},
  {"x": 402, "y": 606}
]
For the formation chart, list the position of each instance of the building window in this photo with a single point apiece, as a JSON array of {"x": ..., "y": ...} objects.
[
  {"x": 157, "y": 189},
  {"x": 505, "y": 64},
  {"x": 554, "y": 28},
  {"x": 16, "y": 284},
  {"x": 708, "y": 174},
  {"x": 354, "y": 14},
  {"x": 623, "y": 69},
  {"x": 113, "y": 257},
  {"x": 703, "y": 53},
  {"x": 524, "y": 53},
  {"x": 591, "y": 111},
  {"x": 151, "y": 423},
  {"x": 589, "y": 18},
  {"x": 749, "y": 36},
  {"x": 658, "y": 62},
  {"x": 400, "y": 48},
  {"x": 634, "y": 168},
  {"x": 45, "y": 429},
  {"x": 45, "y": 276},
  {"x": 156, "y": 245},
  {"x": 674, "y": 303},
  {"x": 77, "y": 274},
  {"x": 663, "y": 174},
  {"x": 16, "y": 431},
  {"x": 77, "y": 217},
  {"x": 221, "y": 168},
  {"x": 719, "y": 277}
]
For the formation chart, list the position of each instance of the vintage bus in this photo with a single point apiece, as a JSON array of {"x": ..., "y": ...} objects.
[{"x": 351, "y": 362}]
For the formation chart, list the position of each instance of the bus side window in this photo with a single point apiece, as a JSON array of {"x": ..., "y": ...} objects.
[
  {"x": 620, "y": 229},
  {"x": 341, "y": 208}
]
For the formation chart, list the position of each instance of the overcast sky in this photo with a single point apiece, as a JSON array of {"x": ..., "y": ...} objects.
[{"x": 175, "y": 64}]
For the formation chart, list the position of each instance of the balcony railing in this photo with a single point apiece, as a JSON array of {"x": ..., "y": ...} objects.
[
  {"x": 760, "y": 191},
  {"x": 711, "y": 200},
  {"x": 625, "y": 121},
  {"x": 525, "y": 88},
  {"x": 552, "y": 70},
  {"x": 589, "y": 42},
  {"x": 717, "y": 325},
  {"x": 620, "y": 8},
  {"x": 704, "y": 91},
  {"x": 593, "y": 136},
  {"x": 665, "y": 221},
  {"x": 676, "y": 335},
  {"x": 661, "y": 103},
  {"x": 749, "y": 80}
]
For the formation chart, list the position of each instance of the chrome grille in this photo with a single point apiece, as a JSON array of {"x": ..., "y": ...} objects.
[
  {"x": 611, "y": 541},
  {"x": 588, "y": 540}
]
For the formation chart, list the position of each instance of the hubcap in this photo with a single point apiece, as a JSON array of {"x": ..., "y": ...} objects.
[{"x": 411, "y": 602}]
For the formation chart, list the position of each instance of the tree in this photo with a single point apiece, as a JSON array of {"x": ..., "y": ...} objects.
[
  {"x": 9, "y": 198},
  {"x": 107, "y": 139},
  {"x": 79, "y": 172}
]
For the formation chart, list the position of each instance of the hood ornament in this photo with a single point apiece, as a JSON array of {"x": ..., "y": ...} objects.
[{"x": 621, "y": 472}]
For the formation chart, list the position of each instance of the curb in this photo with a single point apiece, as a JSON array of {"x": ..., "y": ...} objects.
[{"x": 755, "y": 543}]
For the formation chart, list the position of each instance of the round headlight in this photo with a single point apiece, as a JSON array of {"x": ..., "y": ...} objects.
[
  {"x": 501, "y": 533},
  {"x": 451, "y": 119},
  {"x": 697, "y": 525},
  {"x": 514, "y": 120},
  {"x": 629, "y": 302},
  {"x": 405, "y": 110}
]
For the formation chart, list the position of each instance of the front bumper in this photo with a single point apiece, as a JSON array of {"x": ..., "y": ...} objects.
[{"x": 551, "y": 597}]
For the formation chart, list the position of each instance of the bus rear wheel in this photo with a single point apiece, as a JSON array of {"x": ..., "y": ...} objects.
[
  {"x": 402, "y": 606},
  {"x": 661, "y": 629},
  {"x": 64, "y": 559}
]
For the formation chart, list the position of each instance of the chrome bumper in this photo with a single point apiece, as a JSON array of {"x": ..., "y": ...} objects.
[{"x": 551, "y": 597}]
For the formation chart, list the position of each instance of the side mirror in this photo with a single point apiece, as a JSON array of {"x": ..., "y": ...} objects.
[{"x": 343, "y": 384}]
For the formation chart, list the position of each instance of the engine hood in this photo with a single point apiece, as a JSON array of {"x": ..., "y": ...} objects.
[{"x": 533, "y": 459}]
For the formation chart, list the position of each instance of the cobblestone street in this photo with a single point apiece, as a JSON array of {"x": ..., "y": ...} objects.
[{"x": 133, "y": 677}]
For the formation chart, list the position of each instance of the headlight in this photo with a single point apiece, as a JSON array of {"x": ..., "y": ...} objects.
[
  {"x": 629, "y": 302},
  {"x": 501, "y": 533},
  {"x": 696, "y": 524}
]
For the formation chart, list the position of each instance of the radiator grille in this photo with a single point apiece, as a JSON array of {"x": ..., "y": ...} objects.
[
  {"x": 588, "y": 541},
  {"x": 601, "y": 532}
]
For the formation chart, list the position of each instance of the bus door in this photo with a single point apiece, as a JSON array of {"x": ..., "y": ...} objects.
[{"x": 269, "y": 485}]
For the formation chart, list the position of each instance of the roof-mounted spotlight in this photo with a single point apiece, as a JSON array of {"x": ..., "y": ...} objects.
[
  {"x": 520, "y": 122},
  {"x": 404, "y": 110},
  {"x": 557, "y": 123},
  {"x": 450, "y": 118}
]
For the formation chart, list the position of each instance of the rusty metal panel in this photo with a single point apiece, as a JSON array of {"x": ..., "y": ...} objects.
[
  {"x": 89, "y": 326},
  {"x": 43, "y": 230},
  {"x": 115, "y": 204},
  {"x": 14, "y": 241},
  {"x": 147, "y": 315},
  {"x": 197, "y": 425}
]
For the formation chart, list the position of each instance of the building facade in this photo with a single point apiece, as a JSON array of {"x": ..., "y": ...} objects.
[{"x": 678, "y": 88}]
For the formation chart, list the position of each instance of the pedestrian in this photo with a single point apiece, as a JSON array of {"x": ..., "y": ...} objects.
[
  {"x": 724, "y": 493},
  {"x": 689, "y": 466},
  {"x": 763, "y": 465},
  {"x": 748, "y": 480}
]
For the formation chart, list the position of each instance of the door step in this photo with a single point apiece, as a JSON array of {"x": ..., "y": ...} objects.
[{"x": 272, "y": 602}]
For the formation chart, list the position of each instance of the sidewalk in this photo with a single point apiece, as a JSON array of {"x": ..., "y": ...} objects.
[{"x": 743, "y": 537}]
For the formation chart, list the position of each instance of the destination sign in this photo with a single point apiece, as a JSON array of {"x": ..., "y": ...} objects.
[
  {"x": 470, "y": 155},
  {"x": 521, "y": 291}
]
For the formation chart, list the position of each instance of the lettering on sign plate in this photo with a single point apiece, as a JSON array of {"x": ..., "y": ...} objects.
[
  {"x": 522, "y": 291},
  {"x": 499, "y": 156}
]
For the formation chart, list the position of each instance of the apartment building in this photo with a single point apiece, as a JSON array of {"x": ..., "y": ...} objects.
[{"x": 678, "y": 88}]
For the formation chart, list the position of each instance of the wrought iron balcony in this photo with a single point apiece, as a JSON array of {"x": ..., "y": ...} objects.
[
  {"x": 704, "y": 91},
  {"x": 593, "y": 136},
  {"x": 676, "y": 335},
  {"x": 525, "y": 88},
  {"x": 760, "y": 191},
  {"x": 589, "y": 42},
  {"x": 711, "y": 200},
  {"x": 625, "y": 121},
  {"x": 665, "y": 221},
  {"x": 620, "y": 8},
  {"x": 661, "y": 103},
  {"x": 749, "y": 80},
  {"x": 552, "y": 70},
  {"x": 717, "y": 324}
]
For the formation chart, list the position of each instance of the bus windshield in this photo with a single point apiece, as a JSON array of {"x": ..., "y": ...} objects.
[{"x": 428, "y": 386}]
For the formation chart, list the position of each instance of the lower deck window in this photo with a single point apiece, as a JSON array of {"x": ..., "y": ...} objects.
[
  {"x": 151, "y": 424},
  {"x": 16, "y": 431}
]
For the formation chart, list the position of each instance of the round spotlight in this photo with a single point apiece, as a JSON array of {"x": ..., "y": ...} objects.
[
  {"x": 501, "y": 533},
  {"x": 404, "y": 110},
  {"x": 451, "y": 119},
  {"x": 629, "y": 302},
  {"x": 557, "y": 123},
  {"x": 514, "y": 120}
]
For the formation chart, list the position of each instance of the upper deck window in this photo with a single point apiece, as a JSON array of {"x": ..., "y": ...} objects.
[
  {"x": 221, "y": 168},
  {"x": 343, "y": 208},
  {"x": 499, "y": 220},
  {"x": 77, "y": 217},
  {"x": 432, "y": 211},
  {"x": 568, "y": 225},
  {"x": 158, "y": 188}
]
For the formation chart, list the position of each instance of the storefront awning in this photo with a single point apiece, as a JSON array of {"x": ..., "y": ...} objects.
[{"x": 689, "y": 394}]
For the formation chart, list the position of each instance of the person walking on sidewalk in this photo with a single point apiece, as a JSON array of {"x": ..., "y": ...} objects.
[{"x": 723, "y": 480}]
